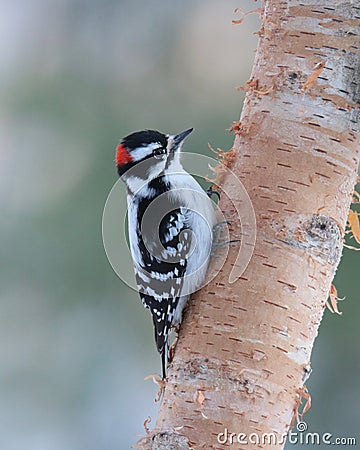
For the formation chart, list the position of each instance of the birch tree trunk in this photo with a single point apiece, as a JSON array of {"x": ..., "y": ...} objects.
[{"x": 244, "y": 348}]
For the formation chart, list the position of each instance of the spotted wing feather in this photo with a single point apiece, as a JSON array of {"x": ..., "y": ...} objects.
[{"x": 160, "y": 277}]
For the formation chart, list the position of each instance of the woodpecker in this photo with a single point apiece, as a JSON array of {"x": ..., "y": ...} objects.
[{"x": 170, "y": 223}]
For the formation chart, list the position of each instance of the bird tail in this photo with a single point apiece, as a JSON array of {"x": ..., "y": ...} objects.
[
  {"x": 161, "y": 332},
  {"x": 164, "y": 360}
]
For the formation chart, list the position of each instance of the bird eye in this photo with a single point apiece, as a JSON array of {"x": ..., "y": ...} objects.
[{"x": 159, "y": 152}]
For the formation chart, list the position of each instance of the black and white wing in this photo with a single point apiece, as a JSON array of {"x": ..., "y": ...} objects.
[{"x": 164, "y": 249}]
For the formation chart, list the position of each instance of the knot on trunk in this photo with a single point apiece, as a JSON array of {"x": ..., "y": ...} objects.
[
  {"x": 165, "y": 440},
  {"x": 319, "y": 236}
]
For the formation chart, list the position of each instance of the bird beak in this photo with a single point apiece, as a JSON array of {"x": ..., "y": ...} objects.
[{"x": 178, "y": 138}]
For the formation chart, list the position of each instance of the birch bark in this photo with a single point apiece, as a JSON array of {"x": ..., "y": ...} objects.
[{"x": 244, "y": 348}]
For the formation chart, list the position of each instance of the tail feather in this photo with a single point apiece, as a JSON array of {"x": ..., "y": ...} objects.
[
  {"x": 164, "y": 314},
  {"x": 161, "y": 334},
  {"x": 164, "y": 360}
]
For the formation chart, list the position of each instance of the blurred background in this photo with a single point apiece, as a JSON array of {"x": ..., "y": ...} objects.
[{"x": 75, "y": 342}]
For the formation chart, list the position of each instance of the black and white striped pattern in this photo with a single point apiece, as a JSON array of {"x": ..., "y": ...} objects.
[{"x": 163, "y": 243}]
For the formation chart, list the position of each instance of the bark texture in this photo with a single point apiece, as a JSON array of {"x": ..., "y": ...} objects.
[{"x": 244, "y": 348}]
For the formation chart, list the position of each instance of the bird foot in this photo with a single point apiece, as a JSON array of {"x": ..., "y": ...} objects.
[
  {"x": 218, "y": 230},
  {"x": 210, "y": 192}
]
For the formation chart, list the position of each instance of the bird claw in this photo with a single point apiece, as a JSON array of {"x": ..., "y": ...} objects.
[
  {"x": 210, "y": 192},
  {"x": 217, "y": 230}
]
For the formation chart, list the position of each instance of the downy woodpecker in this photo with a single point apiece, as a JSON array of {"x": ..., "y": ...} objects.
[{"x": 170, "y": 222}]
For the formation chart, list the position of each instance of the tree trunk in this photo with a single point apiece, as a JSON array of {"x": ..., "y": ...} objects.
[{"x": 244, "y": 348}]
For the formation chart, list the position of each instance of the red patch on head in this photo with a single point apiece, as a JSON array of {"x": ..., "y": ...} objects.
[{"x": 122, "y": 155}]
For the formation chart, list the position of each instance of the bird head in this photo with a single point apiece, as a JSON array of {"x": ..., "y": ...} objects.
[{"x": 147, "y": 154}]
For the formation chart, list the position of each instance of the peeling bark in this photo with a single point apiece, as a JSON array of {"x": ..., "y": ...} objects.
[{"x": 246, "y": 346}]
